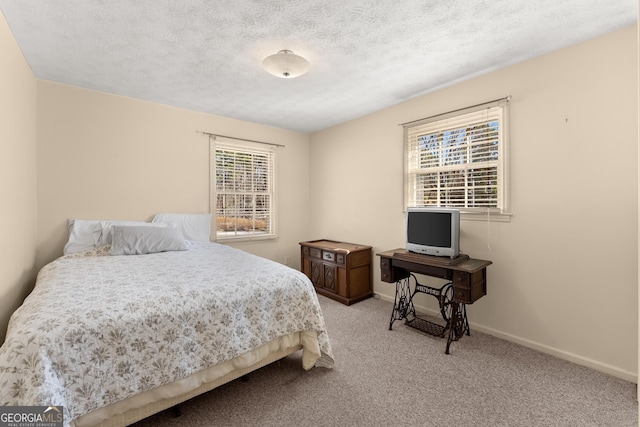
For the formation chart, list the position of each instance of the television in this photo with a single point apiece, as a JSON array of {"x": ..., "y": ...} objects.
[{"x": 433, "y": 231}]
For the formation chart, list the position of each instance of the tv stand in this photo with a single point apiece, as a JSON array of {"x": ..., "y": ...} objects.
[{"x": 467, "y": 283}]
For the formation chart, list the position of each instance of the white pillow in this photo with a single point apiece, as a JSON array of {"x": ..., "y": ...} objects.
[
  {"x": 83, "y": 235},
  {"x": 105, "y": 238},
  {"x": 90, "y": 234},
  {"x": 196, "y": 227},
  {"x": 140, "y": 240}
]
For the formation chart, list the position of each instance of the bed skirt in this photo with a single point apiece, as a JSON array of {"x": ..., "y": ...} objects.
[{"x": 143, "y": 405}]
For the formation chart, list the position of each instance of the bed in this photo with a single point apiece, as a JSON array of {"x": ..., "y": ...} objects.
[{"x": 114, "y": 337}]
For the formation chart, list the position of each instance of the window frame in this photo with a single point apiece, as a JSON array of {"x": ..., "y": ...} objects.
[
  {"x": 461, "y": 118},
  {"x": 239, "y": 146}
]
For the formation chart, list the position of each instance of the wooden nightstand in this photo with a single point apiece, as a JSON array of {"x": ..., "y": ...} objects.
[{"x": 338, "y": 270}]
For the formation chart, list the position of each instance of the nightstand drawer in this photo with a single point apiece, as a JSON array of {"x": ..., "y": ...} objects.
[
  {"x": 315, "y": 253},
  {"x": 328, "y": 256}
]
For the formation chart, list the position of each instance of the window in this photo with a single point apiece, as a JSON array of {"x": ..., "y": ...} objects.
[
  {"x": 243, "y": 189},
  {"x": 458, "y": 160}
]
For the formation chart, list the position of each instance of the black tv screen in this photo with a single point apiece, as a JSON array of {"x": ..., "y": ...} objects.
[{"x": 430, "y": 228}]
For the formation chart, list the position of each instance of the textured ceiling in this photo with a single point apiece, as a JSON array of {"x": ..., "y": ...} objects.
[{"x": 365, "y": 55}]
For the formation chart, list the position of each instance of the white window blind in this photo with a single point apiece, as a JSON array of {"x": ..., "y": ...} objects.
[
  {"x": 457, "y": 160},
  {"x": 243, "y": 189}
]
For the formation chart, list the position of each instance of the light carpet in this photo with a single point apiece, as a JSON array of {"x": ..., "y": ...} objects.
[{"x": 403, "y": 377}]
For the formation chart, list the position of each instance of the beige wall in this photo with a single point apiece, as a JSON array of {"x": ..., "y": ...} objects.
[
  {"x": 565, "y": 277},
  {"x": 109, "y": 157},
  {"x": 17, "y": 176}
]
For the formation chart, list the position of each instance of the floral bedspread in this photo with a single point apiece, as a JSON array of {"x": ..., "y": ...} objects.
[{"x": 98, "y": 329}]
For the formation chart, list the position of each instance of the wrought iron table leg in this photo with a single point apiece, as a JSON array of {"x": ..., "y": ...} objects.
[
  {"x": 402, "y": 303},
  {"x": 466, "y": 321},
  {"x": 455, "y": 318},
  {"x": 459, "y": 324}
]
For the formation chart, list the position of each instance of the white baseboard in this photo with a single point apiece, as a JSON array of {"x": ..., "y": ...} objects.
[{"x": 571, "y": 357}]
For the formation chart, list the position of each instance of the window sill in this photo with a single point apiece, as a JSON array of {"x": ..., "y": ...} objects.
[{"x": 248, "y": 238}]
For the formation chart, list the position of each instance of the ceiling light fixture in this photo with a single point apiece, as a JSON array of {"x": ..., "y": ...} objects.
[{"x": 285, "y": 64}]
